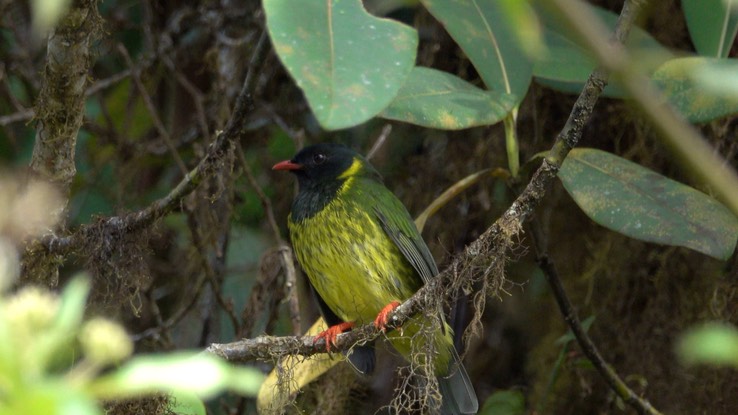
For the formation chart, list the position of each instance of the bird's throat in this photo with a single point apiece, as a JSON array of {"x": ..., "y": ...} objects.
[{"x": 314, "y": 197}]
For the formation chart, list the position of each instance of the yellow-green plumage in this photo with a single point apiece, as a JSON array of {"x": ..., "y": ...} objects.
[
  {"x": 361, "y": 251},
  {"x": 354, "y": 265}
]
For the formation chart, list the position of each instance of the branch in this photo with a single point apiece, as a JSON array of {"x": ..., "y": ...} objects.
[
  {"x": 136, "y": 221},
  {"x": 60, "y": 105},
  {"x": 682, "y": 138},
  {"x": 588, "y": 347},
  {"x": 59, "y": 110}
]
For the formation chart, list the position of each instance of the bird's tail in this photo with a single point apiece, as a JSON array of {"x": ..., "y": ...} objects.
[{"x": 457, "y": 390}]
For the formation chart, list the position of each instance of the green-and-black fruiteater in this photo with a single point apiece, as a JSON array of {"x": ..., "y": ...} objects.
[{"x": 363, "y": 255}]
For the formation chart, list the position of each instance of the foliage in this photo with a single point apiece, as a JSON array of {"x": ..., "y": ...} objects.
[
  {"x": 53, "y": 359},
  {"x": 637, "y": 202},
  {"x": 711, "y": 343},
  {"x": 432, "y": 79}
]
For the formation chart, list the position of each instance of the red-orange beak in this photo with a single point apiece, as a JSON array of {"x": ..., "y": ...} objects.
[{"x": 287, "y": 165}]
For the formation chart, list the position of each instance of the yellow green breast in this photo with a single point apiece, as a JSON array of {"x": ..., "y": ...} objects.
[{"x": 350, "y": 261}]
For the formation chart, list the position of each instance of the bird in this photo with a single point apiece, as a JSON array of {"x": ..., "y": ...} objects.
[{"x": 363, "y": 256}]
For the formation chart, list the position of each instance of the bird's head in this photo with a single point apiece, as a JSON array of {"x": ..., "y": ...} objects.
[{"x": 326, "y": 163}]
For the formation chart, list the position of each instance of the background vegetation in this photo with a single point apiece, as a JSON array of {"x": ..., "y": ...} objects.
[{"x": 158, "y": 122}]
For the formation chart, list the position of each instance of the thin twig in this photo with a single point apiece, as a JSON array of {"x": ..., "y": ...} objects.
[
  {"x": 152, "y": 110},
  {"x": 135, "y": 221},
  {"x": 680, "y": 137},
  {"x": 176, "y": 317},
  {"x": 585, "y": 342},
  {"x": 24, "y": 115},
  {"x": 285, "y": 252},
  {"x": 212, "y": 276},
  {"x": 379, "y": 142},
  {"x": 195, "y": 93}
]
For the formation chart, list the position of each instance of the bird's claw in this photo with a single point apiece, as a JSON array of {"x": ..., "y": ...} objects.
[
  {"x": 383, "y": 317},
  {"x": 331, "y": 334}
]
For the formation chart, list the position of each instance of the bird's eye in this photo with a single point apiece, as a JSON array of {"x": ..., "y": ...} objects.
[{"x": 319, "y": 158}]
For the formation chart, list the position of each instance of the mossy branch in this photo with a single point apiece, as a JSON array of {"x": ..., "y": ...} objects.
[
  {"x": 60, "y": 105},
  {"x": 136, "y": 221},
  {"x": 59, "y": 111}
]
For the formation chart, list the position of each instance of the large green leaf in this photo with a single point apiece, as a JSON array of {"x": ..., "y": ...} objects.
[
  {"x": 711, "y": 25},
  {"x": 349, "y": 63},
  {"x": 481, "y": 30},
  {"x": 437, "y": 99},
  {"x": 682, "y": 83},
  {"x": 567, "y": 65},
  {"x": 637, "y": 202}
]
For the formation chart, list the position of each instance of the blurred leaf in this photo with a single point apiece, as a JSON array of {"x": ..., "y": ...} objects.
[
  {"x": 53, "y": 343},
  {"x": 349, "y": 63},
  {"x": 524, "y": 21},
  {"x": 45, "y": 397},
  {"x": 201, "y": 374},
  {"x": 436, "y": 99},
  {"x": 505, "y": 402},
  {"x": 637, "y": 202},
  {"x": 486, "y": 36},
  {"x": 718, "y": 77},
  {"x": 711, "y": 25},
  {"x": 567, "y": 65},
  {"x": 679, "y": 80},
  {"x": 46, "y": 14},
  {"x": 712, "y": 343},
  {"x": 187, "y": 404}
]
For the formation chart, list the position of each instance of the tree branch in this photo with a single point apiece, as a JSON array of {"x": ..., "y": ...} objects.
[
  {"x": 585, "y": 343},
  {"x": 59, "y": 110},
  {"x": 60, "y": 104},
  {"x": 680, "y": 137},
  {"x": 135, "y": 221}
]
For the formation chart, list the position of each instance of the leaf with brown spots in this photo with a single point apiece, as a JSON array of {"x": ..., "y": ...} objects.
[{"x": 637, "y": 202}]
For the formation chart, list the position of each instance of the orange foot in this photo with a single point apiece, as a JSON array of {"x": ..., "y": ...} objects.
[
  {"x": 382, "y": 318},
  {"x": 332, "y": 333}
]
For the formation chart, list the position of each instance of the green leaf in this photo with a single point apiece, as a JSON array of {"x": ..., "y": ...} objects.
[
  {"x": 567, "y": 65},
  {"x": 524, "y": 21},
  {"x": 46, "y": 14},
  {"x": 187, "y": 404},
  {"x": 628, "y": 198},
  {"x": 49, "y": 396},
  {"x": 691, "y": 87},
  {"x": 711, "y": 25},
  {"x": 712, "y": 343},
  {"x": 201, "y": 374},
  {"x": 348, "y": 63},
  {"x": 483, "y": 33},
  {"x": 505, "y": 402},
  {"x": 437, "y": 99},
  {"x": 54, "y": 344}
]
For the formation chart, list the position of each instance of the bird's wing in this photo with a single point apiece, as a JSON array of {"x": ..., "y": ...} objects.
[{"x": 398, "y": 225}]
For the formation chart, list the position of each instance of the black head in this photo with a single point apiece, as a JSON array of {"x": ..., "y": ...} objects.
[{"x": 325, "y": 163}]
